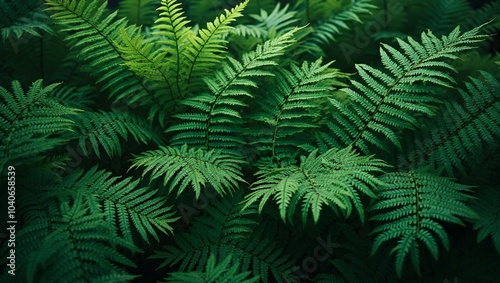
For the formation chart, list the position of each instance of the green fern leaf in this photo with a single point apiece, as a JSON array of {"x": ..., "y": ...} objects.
[
  {"x": 31, "y": 123},
  {"x": 214, "y": 273},
  {"x": 105, "y": 129},
  {"x": 459, "y": 132},
  {"x": 325, "y": 31},
  {"x": 21, "y": 18},
  {"x": 173, "y": 33},
  {"x": 97, "y": 36},
  {"x": 416, "y": 202},
  {"x": 121, "y": 202},
  {"x": 80, "y": 247},
  {"x": 139, "y": 12},
  {"x": 227, "y": 231},
  {"x": 290, "y": 108},
  {"x": 386, "y": 101},
  {"x": 208, "y": 46},
  {"x": 335, "y": 178},
  {"x": 488, "y": 223},
  {"x": 181, "y": 168},
  {"x": 144, "y": 58}
]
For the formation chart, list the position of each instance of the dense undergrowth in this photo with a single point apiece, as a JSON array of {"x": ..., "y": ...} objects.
[{"x": 254, "y": 141}]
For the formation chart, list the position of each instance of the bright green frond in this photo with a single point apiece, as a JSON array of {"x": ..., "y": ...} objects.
[
  {"x": 336, "y": 178},
  {"x": 182, "y": 168},
  {"x": 208, "y": 46},
  {"x": 172, "y": 32},
  {"x": 97, "y": 34}
]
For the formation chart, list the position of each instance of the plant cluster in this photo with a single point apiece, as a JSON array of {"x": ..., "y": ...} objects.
[{"x": 258, "y": 141}]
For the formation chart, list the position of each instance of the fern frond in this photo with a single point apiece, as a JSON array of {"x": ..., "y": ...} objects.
[
  {"x": 488, "y": 223},
  {"x": 416, "y": 202},
  {"x": 311, "y": 11},
  {"x": 245, "y": 37},
  {"x": 227, "y": 231},
  {"x": 208, "y": 46},
  {"x": 325, "y": 31},
  {"x": 105, "y": 129},
  {"x": 214, "y": 124},
  {"x": 139, "y": 12},
  {"x": 20, "y": 18},
  {"x": 289, "y": 108},
  {"x": 181, "y": 168},
  {"x": 213, "y": 273},
  {"x": 488, "y": 12},
  {"x": 96, "y": 34},
  {"x": 442, "y": 16},
  {"x": 81, "y": 247},
  {"x": 335, "y": 179},
  {"x": 385, "y": 102},
  {"x": 459, "y": 132},
  {"x": 279, "y": 21},
  {"x": 173, "y": 33},
  {"x": 81, "y": 97},
  {"x": 121, "y": 203},
  {"x": 31, "y": 122}
]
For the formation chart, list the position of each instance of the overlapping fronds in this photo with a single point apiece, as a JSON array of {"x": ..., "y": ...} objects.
[
  {"x": 208, "y": 46},
  {"x": 79, "y": 247},
  {"x": 336, "y": 178},
  {"x": 31, "y": 123},
  {"x": 386, "y": 101},
  {"x": 122, "y": 204},
  {"x": 289, "y": 108},
  {"x": 461, "y": 130},
  {"x": 97, "y": 34},
  {"x": 107, "y": 129},
  {"x": 228, "y": 231},
  {"x": 215, "y": 119},
  {"x": 18, "y": 18}
]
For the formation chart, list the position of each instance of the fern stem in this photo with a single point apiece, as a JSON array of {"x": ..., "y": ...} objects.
[{"x": 278, "y": 119}]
